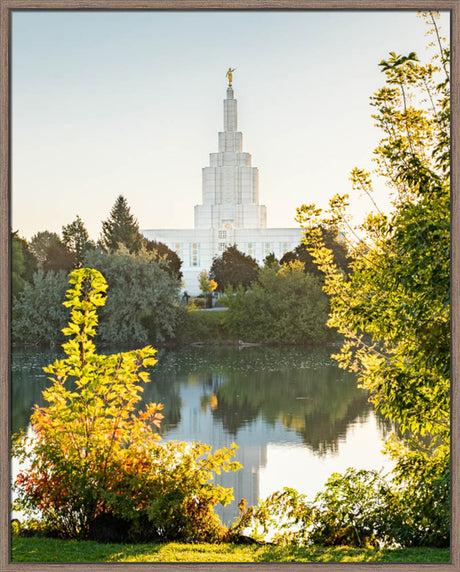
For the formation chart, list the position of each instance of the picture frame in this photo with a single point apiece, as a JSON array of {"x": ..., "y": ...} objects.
[{"x": 7, "y": 8}]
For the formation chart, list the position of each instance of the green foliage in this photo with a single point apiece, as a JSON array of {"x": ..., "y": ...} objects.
[
  {"x": 197, "y": 326},
  {"x": 144, "y": 299},
  {"x": 121, "y": 228},
  {"x": 94, "y": 467},
  {"x": 173, "y": 262},
  {"x": 422, "y": 478},
  {"x": 29, "y": 260},
  {"x": 353, "y": 510},
  {"x": 18, "y": 266},
  {"x": 394, "y": 311},
  {"x": 332, "y": 242},
  {"x": 360, "y": 508},
  {"x": 271, "y": 261},
  {"x": 51, "y": 253},
  {"x": 285, "y": 516},
  {"x": 40, "y": 244},
  {"x": 207, "y": 286},
  {"x": 284, "y": 306},
  {"x": 410, "y": 509},
  {"x": 38, "y": 315},
  {"x": 75, "y": 238},
  {"x": 58, "y": 258},
  {"x": 233, "y": 268}
]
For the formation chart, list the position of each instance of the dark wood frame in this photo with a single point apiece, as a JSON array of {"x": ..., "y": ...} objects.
[{"x": 8, "y": 6}]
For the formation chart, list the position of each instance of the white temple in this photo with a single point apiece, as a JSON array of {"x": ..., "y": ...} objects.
[{"x": 230, "y": 212}]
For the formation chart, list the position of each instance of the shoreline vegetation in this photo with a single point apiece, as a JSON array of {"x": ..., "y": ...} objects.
[{"x": 201, "y": 327}]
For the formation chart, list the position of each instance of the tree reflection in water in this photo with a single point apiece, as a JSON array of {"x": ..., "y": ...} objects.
[{"x": 254, "y": 396}]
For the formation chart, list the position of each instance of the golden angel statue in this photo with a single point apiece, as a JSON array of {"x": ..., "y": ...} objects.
[{"x": 229, "y": 75}]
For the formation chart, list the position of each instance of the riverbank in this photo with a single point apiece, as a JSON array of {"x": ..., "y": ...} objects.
[{"x": 51, "y": 550}]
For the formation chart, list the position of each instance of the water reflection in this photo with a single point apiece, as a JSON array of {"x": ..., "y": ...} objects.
[{"x": 292, "y": 400}]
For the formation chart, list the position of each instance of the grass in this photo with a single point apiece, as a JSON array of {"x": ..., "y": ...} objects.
[{"x": 51, "y": 550}]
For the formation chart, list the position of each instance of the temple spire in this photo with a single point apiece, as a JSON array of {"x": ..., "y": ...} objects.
[{"x": 230, "y": 118}]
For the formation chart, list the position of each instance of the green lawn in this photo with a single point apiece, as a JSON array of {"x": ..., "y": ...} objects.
[{"x": 51, "y": 550}]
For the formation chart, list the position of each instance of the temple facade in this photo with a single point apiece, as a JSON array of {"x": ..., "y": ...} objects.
[{"x": 230, "y": 212}]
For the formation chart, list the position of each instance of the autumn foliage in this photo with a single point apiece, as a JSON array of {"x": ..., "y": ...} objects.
[{"x": 94, "y": 467}]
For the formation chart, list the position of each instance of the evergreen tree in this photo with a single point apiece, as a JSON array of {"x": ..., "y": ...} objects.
[
  {"x": 76, "y": 240},
  {"x": 121, "y": 228}
]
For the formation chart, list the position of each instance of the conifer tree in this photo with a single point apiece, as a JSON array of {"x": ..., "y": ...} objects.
[
  {"x": 121, "y": 228},
  {"x": 76, "y": 240}
]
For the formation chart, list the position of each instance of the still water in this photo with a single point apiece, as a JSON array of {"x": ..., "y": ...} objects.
[{"x": 294, "y": 414}]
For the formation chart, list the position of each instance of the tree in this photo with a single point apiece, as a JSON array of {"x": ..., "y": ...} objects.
[
  {"x": 23, "y": 261},
  {"x": 38, "y": 316},
  {"x": 121, "y": 228},
  {"x": 174, "y": 263},
  {"x": 271, "y": 261},
  {"x": 144, "y": 298},
  {"x": 58, "y": 258},
  {"x": 40, "y": 243},
  {"x": 285, "y": 305},
  {"x": 76, "y": 240},
  {"x": 207, "y": 286},
  {"x": 94, "y": 467},
  {"x": 233, "y": 268},
  {"x": 332, "y": 242},
  {"x": 394, "y": 309},
  {"x": 18, "y": 266}
]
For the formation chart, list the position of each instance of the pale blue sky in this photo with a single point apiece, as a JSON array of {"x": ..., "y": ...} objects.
[{"x": 108, "y": 103}]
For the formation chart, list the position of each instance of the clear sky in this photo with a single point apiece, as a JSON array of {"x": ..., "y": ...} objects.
[{"x": 108, "y": 103}]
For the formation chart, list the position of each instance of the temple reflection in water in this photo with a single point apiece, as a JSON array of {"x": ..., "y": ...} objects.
[{"x": 295, "y": 416}]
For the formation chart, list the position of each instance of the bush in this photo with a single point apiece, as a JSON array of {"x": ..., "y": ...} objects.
[
  {"x": 197, "y": 326},
  {"x": 95, "y": 467},
  {"x": 352, "y": 510},
  {"x": 363, "y": 508},
  {"x": 143, "y": 304},
  {"x": 284, "y": 306},
  {"x": 38, "y": 316}
]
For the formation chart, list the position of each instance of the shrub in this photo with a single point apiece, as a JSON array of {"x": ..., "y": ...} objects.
[
  {"x": 94, "y": 467},
  {"x": 143, "y": 305},
  {"x": 198, "y": 326},
  {"x": 284, "y": 306},
  {"x": 362, "y": 508},
  {"x": 38, "y": 316}
]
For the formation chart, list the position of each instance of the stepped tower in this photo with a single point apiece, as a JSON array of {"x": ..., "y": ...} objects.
[{"x": 230, "y": 185}]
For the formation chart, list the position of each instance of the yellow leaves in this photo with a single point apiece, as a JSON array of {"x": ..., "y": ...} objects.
[
  {"x": 207, "y": 285},
  {"x": 292, "y": 266}
]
